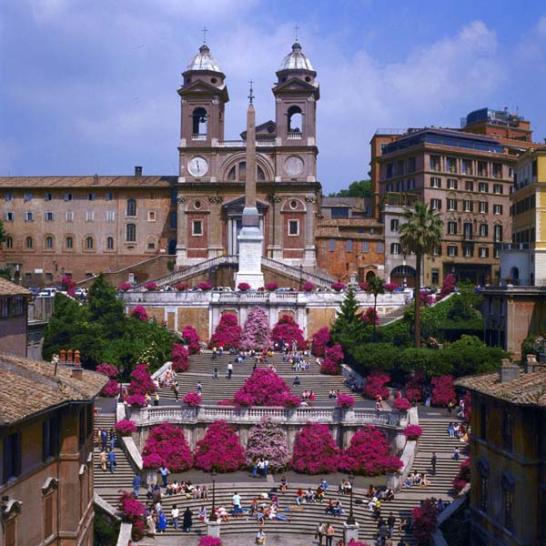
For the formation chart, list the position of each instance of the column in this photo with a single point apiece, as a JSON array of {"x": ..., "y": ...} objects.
[
  {"x": 181, "y": 231},
  {"x": 309, "y": 256}
]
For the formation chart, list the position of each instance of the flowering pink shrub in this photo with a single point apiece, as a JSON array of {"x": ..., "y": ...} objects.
[
  {"x": 227, "y": 333},
  {"x": 414, "y": 387},
  {"x": 153, "y": 460},
  {"x": 448, "y": 286},
  {"x": 141, "y": 380},
  {"x": 220, "y": 449},
  {"x": 205, "y": 286},
  {"x": 363, "y": 286},
  {"x": 133, "y": 511},
  {"x": 263, "y": 388},
  {"x": 308, "y": 286},
  {"x": 225, "y": 402},
  {"x": 320, "y": 340},
  {"x": 412, "y": 432},
  {"x": 256, "y": 333},
  {"x": 368, "y": 453},
  {"x": 333, "y": 357},
  {"x": 288, "y": 330},
  {"x": 243, "y": 286},
  {"x": 337, "y": 286},
  {"x": 167, "y": 441},
  {"x": 68, "y": 285},
  {"x": 271, "y": 286},
  {"x": 140, "y": 313},
  {"x": 137, "y": 400},
  {"x": 192, "y": 399},
  {"x": 426, "y": 298},
  {"x": 425, "y": 520},
  {"x": 370, "y": 316},
  {"x": 268, "y": 440},
  {"x": 315, "y": 451},
  {"x": 376, "y": 385},
  {"x": 443, "y": 391},
  {"x": 390, "y": 286},
  {"x": 191, "y": 338},
  {"x": 111, "y": 389},
  {"x": 463, "y": 476},
  {"x": 109, "y": 370},
  {"x": 207, "y": 540},
  {"x": 124, "y": 286},
  {"x": 125, "y": 427},
  {"x": 181, "y": 286},
  {"x": 401, "y": 403},
  {"x": 345, "y": 401},
  {"x": 354, "y": 542},
  {"x": 150, "y": 285},
  {"x": 329, "y": 367},
  {"x": 179, "y": 358}
]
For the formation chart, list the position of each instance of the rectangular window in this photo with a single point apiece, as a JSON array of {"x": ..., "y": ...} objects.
[
  {"x": 152, "y": 216},
  {"x": 365, "y": 246},
  {"x": 69, "y": 243},
  {"x": 67, "y": 196},
  {"x": 331, "y": 245},
  {"x": 467, "y": 205},
  {"x": 452, "y": 183},
  {"x": 497, "y": 188},
  {"x": 197, "y": 228},
  {"x": 497, "y": 233},
  {"x": 48, "y": 515},
  {"x": 27, "y": 196},
  {"x": 339, "y": 212},
  {"x": 435, "y": 182},
  {"x": 437, "y": 250},
  {"x": 8, "y": 196},
  {"x": 484, "y": 252},
  {"x": 435, "y": 277},
  {"x": 452, "y": 204},
  {"x": 411, "y": 164},
  {"x": 483, "y": 208},
  {"x": 69, "y": 216},
  {"x": 293, "y": 227},
  {"x": 379, "y": 247},
  {"x": 349, "y": 245},
  {"x": 468, "y": 251},
  {"x": 9, "y": 216},
  {"x": 435, "y": 163},
  {"x": 467, "y": 230},
  {"x": 484, "y": 229},
  {"x": 452, "y": 228},
  {"x": 466, "y": 166},
  {"x": 48, "y": 216},
  {"x": 451, "y": 165},
  {"x": 110, "y": 216},
  {"x": 483, "y": 187},
  {"x": 89, "y": 215},
  {"x": 91, "y": 196},
  {"x": 11, "y": 457},
  {"x": 48, "y": 196},
  {"x": 435, "y": 204},
  {"x": 50, "y": 438},
  {"x": 497, "y": 170},
  {"x": 109, "y": 196},
  {"x": 497, "y": 209},
  {"x": 394, "y": 224},
  {"x": 469, "y": 185},
  {"x": 29, "y": 216},
  {"x": 482, "y": 168}
]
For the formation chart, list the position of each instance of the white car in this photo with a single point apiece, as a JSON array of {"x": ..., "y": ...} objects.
[{"x": 47, "y": 292}]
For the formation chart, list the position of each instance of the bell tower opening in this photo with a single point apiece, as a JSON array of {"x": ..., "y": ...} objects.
[
  {"x": 295, "y": 120},
  {"x": 200, "y": 122}
]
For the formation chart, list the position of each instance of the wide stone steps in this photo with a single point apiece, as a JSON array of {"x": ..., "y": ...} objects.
[
  {"x": 122, "y": 478},
  {"x": 301, "y": 522}
]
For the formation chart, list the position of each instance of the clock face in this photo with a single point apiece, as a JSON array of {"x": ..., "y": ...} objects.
[
  {"x": 293, "y": 165},
  {"x": 198, "y": 166}
]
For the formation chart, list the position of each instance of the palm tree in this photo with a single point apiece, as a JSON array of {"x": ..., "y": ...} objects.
[
  {"x": 420, "y": 234},
  {"x": 375, "y": 286}
]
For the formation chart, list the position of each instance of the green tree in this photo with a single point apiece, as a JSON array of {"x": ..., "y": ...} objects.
[
  {"x": 105, "y": 309},
  {"x": 468, "y": 355},
  {"x": 348, "y": 328},
  {"x": 376, "y": 356},
  {"x": 420, "y": 233},
  {"x": 358, "y": 188},
  {"x": 375, "y": 286}
]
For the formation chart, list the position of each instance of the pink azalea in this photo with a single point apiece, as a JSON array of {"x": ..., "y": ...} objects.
[
  {"x": 207, "y": 540},
  {"x": 338, "y": 286},
  {"x": 109, "y": 370},
  {"x": 205, "y": 286},
  {"x": 268, "y": 440},
  {"x": 125, "y": 427},
  {"x": 192, "y": 399},
  {"x": 124, "y": 286},
  {"x": 425, "y": 520},
  {"x": 150, "y": 285},
  {"x": 376, "y": 385},
  {"x": 227, "y": 334},
  {"x": 288, "y": 330},
  {"x": 363, "y": 286},
  {"x": 181, "y": 286},
  {"x": 412, "y": 432},
  {"x": 243, "y": 286},
  {"x": 167, "y": 445},
  {"x": 315, "y": 451},
  {"x": 256, "y": 334},
  {"x": 111, "y": 389},
  {"x": 141, "y": 380},
  {"x": 153, "y": 460},
  {"x": 320, "y": 340},
  {"x": 402, "y": 404},
  {"x": 140, "y": 313},
  {"x": 463, "y": 476},
  {"x": 443, "y": 390},
  {"x": 308, "y": 286},
  {"x": 179, "y": 358},
  {"x": 390, "y": 286},
  {"x": 370, "y": 316},
  {"x": 191, "y": 338},
  {"x": 271, "y": 286},
  {"x": 263, "y": 388},
  {"x": 137, "y": 400},
  {"x": 69, "y": 285},
  {"x": 345, "y": 401},
  {"x": 131, "y": 508}
]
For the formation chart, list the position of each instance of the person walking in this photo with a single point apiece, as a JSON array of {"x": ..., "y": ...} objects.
[
  {"x": 175, "y": 512},
  {"x": 103, "y": 439},
  {"x": 433, "y": 461},
  {"x": 111, "y": 461},
  {"x": 175, "y": 389},
  {"x": 164, "y": 472},
  {"x": 137, "y": 482},
  {"x": 156, "y": 399},
  {"x": 187, "y": 520},
  {"x": 161, "y": 521},
  {"x": 103, "y": 460},
  {"x": 456, "y": 454},
  {"x": 321, "y": 531},
  {"x": 229, "y": 370},
  {"x": 330, "y": 532}
]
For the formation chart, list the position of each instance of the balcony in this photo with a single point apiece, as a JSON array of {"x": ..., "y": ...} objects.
[
  {"x": 199, "y": 137},
  {"x": 294, "y": 135}
]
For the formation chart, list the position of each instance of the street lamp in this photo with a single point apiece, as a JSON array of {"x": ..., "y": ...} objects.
[
  {"x": 213, "y": 510},
  {"x": 350, "y": 518}
]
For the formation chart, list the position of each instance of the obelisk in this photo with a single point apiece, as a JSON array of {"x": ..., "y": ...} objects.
[{"x": 250, "y": 237}]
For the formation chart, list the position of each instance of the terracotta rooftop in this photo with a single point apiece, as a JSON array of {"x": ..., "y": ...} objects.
[
  {"x": 527, "y": 389},
  {"x": 8, "y": 288},
  {"x": 86, "y": 181},
  {"x": 31, "y": 387}
]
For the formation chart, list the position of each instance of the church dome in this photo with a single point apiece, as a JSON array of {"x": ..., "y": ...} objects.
[
  {"x": 296, "y": 60},
  {"x": 204, "y": 61}
]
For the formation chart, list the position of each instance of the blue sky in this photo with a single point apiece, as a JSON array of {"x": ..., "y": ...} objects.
[{"x": 90, "y": 87}]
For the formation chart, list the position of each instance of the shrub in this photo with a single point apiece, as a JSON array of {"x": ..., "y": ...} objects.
[
  {"x": 153, "y": 460},
  {"x": 219, "y": 449},
  {"x": 192, "y": 399},
  {"x": 256, "y": 333},
  {"x": 354, "y": 542},
  {"x": 370, "y": 316},
  {"x": 368, "y": 453},
  {"x": 425, "y": 520},
  {"x": 181, "y": 286},
  {"x": 191, "y": 339},
  {"x": 137, "y": 400},
  {"x": 288, "y": 331},
  {"x": 414, "y": 387},
  {"x": 167, "y": 442},
  {"x": 390, "y": 286},
  {"x": 68, "y": 285},
  {"x": 401, "y": 403},
  {"x": 227, "y": 333},
  {"x": 133, "y": 511},
  {"x": 139, "y": 313},
  {"x": 443, "y": 390},
  {"x": 109, "y": 370},
  {"x": 345, "y": 401},
  {"x": 329, "y": 367},
  {"x": 448, "y": 286},
  {"x": 150, "y": 285},
  {"x": 376, "y": 385},
  {"x": 207, "y": 540},
  {"x": 308, "y": 286},
  {"x": 141, "y": 380},
  {"x": 463, "y": 477},
  {"x": 429, "y": 361},
  {"x": 263, "y": 388},
  {"x": 268, "y": 440},
  {"x": 412, "y": 432},
  {"x": 369, "y": 356},
  {"x": 271, "y": 286},
  {"x": 320, "y": 340},
  {"x": 179, "y": 358},
  {"x": 333, "y": 357},
  {"x": 205, "y": 286},
  {"x": 125, "y": 427},
  {"x": 124, "y": 286},
  {"x": 337, "y": 286},
  {"x": 111, "y": 389},
  {"x": 315, "y": 451},
  {"x": 243, "y": 286}
]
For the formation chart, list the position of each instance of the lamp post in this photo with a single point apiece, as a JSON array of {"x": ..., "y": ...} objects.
[
  {"x": 350, "y": 518},
  {"x": 213, "y": 510}
]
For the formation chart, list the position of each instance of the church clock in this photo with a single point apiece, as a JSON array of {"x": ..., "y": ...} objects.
[
  {"x": 198, "y": 166},
  {"x": 293, "y": 165}
]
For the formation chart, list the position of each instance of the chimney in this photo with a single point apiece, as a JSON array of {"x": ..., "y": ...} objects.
[
  {"x": 138, "y": 170},
  {"x": 508, "y": 371},
  {"x": 77, "y": 371},
  {"x": 531, "y": 364}
]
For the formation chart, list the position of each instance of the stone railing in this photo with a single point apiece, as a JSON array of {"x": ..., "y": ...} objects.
[{"x": 144, "y": 417}]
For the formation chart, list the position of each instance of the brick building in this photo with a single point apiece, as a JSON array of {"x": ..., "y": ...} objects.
[{"x": 13, "y": 318}]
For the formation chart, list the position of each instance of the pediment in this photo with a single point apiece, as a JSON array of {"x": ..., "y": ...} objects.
[
  {"x": 236, "y": 206},
  {"x": 297, "y": 85},
  {"x": 200, "y": 87}
]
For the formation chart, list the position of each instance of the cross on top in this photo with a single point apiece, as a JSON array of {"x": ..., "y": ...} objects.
[
  {"x": 204, "y": 30},
  {"x": 251, "y": 95},
  {"x": 296, "y": 29}
]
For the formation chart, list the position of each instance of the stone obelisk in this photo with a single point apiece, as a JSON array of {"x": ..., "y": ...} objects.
[{"x": 250, "y": 237}]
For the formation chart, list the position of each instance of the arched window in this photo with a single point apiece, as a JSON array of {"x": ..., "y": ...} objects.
[
  {"x": 69, "y": 241},
  {"x": 109, "y": 243},
  {"x": 238, "y": 172},
  {"x": 131, "y": 207},
  {"x": 295, "y": 119},
  {"x": 49, "y": 242},
  {"x": 131, "y": 233},
  {"x": 28, "y": 242},
  {"x": 199, "y": 118},
  {"x": 150, "y": 245},
  {"x": 89, "y": 243},
  {"x": 9, "y": 242}
]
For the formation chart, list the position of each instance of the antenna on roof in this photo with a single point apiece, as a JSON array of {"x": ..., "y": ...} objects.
[
  {"x": 296, "y": 29},
  {"x": 204, "y": 30}
]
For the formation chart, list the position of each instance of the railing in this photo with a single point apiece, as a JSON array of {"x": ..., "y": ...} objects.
[
  {"x": 295, "y": 135},
  {"x": 305, "y": 275},
  {"x": 200, "y": 137},
  {"x": 242, "y": 143},
  {"x": 144, "y": 417}
]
